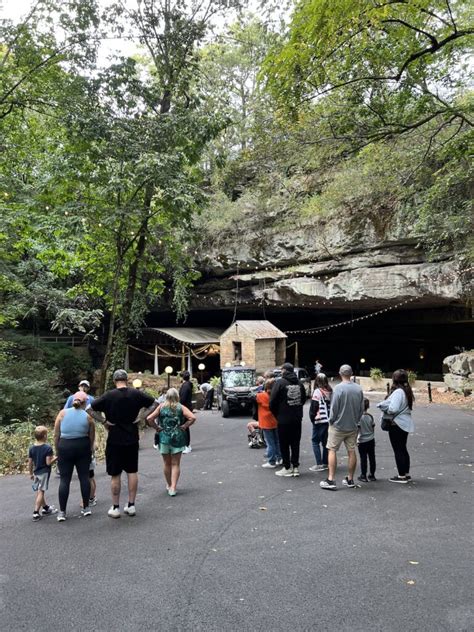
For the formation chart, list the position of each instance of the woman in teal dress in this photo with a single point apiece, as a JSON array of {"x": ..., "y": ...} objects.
[{"x": 170, "y": 420}]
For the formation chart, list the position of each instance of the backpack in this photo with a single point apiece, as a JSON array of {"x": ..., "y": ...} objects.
[{"x": 255, "y": 439}]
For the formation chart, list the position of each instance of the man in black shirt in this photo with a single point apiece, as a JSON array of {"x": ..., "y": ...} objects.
[
  {"x": 286, "y": 403},
  {"x": 121, "y": 406},
  {"x": 186, "y": 399}
]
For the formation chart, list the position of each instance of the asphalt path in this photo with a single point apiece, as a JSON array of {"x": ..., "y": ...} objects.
[{"x": 241, "y": 549}]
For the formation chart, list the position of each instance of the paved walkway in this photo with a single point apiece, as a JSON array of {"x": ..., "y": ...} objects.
[{"x": 241, "y": 549}]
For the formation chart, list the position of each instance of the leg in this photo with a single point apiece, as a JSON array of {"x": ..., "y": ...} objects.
[
  {"x": 283, "y": 436},
  {"x": 93, "y": 487},
  {"x": 167, "y": 468},
  {"x": 295, "y": 440},
  {"x": 269, "y": 437},
  {"x": 115, "y": 485},
  {"x": 39, "y": 500},
  {"x": 66, "y": 466},
  {"x": 371, "y": 453},
  {"x": 324, "y": 440},
  {"x": 132, "y": 480},
  {"x": 398, "y": 439},
  {"x": 83, "y": 460},
  {"x": 352, "y": 464},
  {"x": 363, "y": 458},
  {"x": 332, "y": 463},
  {"x": 188, "y": 437},
  {"x": 315, "y": 440},
  {"x": 175, "y": 470}
]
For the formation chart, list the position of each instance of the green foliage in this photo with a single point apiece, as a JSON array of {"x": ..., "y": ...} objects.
[
  {"x": 376, "y": 374},
  {"x": 412, "y": 377}
]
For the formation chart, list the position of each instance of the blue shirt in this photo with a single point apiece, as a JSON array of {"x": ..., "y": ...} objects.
[
  {"x": 397, "y": 404},
  {"x": 38, "y": 454},
  {"x": 74, "y": 424},
  {"x": 70, "y": 399}
]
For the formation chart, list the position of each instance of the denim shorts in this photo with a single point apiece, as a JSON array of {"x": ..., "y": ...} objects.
[{"x": 41, "y": 482}]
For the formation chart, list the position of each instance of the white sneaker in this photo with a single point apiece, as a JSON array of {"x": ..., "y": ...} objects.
[
  {"x": 86, "y": 512},
  {"x": 318, "y": 468},
  {"x": 296, "y": 471},
  {"x": 130, "y": 511},
  {"x": 156, "y": 446},
  {"x": 284, "y": 472},
  {"x": 279, "y": 462},
  {"x": 113, "y": 513},
  {"x": 61, "y": 516},
  {"x": 187, "y": 449},
  {"x": 269, "y": 465}
]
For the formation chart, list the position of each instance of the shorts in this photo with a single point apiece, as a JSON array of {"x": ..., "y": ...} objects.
[
  {"x": 165, "y": 448},
  {"x": 121, "y": 458},
  {"x": 41, "y": 482},
  {"x": 336, "y": 437}
]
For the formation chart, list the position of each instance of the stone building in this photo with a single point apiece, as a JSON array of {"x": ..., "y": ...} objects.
[{"x": 257, "y": 343}]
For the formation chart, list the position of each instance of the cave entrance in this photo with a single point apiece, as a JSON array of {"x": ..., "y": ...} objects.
[{"x": 416, "y": 339}]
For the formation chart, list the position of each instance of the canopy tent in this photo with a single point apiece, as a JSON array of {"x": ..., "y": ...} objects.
[
  {"x": 190, "y": 335},
  {"x": 198, "y": 342}
]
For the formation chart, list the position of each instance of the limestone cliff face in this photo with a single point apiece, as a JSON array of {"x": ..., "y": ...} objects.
[{"x": 340, "y": 263}]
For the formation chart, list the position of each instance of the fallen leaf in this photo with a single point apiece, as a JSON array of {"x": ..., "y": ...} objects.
[
  {"x": 412, "y": 562},
  {"x": 411, "y": 582}
]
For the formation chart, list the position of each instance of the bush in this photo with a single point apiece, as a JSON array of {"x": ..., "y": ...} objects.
[
  {"x": 412, "y": 377},
  {"x": 376, "y": 374},
  {"x": 28, "y": 393}
]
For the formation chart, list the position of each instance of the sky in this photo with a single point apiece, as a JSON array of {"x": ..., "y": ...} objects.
[{"x": 16, "y": 9}]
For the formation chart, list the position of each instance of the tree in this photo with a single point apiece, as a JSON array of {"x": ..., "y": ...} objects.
[{"x": 396, "y": 64}]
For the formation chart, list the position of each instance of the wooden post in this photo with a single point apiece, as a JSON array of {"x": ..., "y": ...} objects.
[
  {"x": 190, "y": 364},
  {"x": 127, "y": 359},
  {"x": 183, "y": 357},
  {"x": 156, "y": 370},
  {"x": 297, "y": 360}
]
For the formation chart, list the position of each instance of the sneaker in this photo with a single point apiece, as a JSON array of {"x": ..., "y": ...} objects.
[
  {"x": 86, "y": 511},
  {"x": 156, "y": 446},
  {"x": 371, "y": 477},
  {"x": 348, "y": 483},
  {"x": 296, "y": 471},
  {"x": 49, "y": 511},
  {"x": 171, "y": 492},
  {"x": 318, "y": 468},
  {"x": 284, "y": 472},
  {"x": 269, "y": 465},
  {"x": 36, "y": 516},
  {"x": 398, "y": 479},
  {"x": 327, "y": 484},
  {"x": 363, "y": 479},
  {"x": 61, "y": 516},
  {"x": 130, "y": 510},
  {"x": 187, "y": 449},
  {"x": 113, "y": 513},
  {"x": 279, "y": 462},
  {"x": 93, "y": 501}
]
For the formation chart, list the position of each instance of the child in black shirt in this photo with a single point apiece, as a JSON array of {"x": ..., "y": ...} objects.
[{"x": 40, "y": 458}]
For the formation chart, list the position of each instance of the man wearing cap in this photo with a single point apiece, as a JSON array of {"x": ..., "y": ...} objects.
[
  {"x": 347, "y": 407},
  {"x": 286, "y": 403},
  {"x": 85, "y": 387},
  {"x": 121, "y": 407}
]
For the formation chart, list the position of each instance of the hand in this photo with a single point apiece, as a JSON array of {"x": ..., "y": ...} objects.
[{"x": 108, "y": 425}]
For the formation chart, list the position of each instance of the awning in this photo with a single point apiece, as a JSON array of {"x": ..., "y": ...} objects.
[{"x": 190, "y": 335}]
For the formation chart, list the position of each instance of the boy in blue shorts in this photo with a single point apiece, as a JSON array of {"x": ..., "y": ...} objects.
[{"x": 40, "y": 458}]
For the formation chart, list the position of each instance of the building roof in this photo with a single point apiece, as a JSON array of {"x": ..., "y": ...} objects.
[
  {"x": 259, "y": 329},
  {"x": 190, "y": 335}
]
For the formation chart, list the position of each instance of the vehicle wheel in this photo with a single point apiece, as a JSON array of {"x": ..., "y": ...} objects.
[{"x": 225, "y": 409}]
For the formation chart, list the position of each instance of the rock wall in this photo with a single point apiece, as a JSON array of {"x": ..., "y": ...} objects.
[
  {"x": 338, "y": 264},
  {"x": 459, "y": 374}
]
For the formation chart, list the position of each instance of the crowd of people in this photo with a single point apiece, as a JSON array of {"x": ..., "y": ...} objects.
[{"x": 338, "y": 416}]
